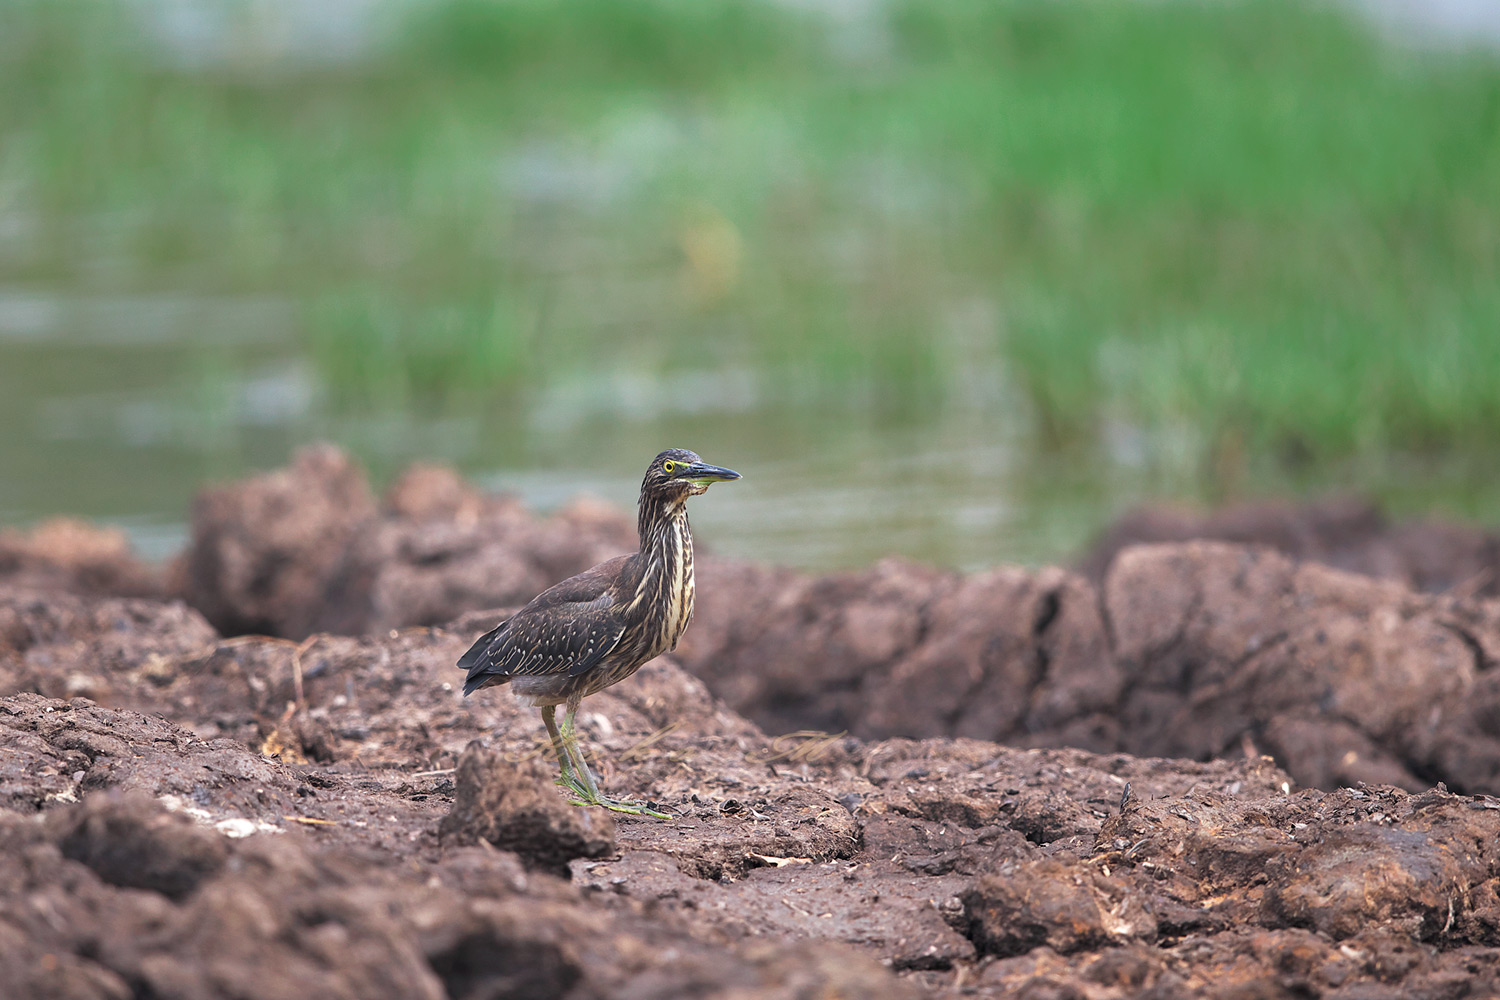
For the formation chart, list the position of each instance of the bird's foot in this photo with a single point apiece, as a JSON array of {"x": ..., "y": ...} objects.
[
  {"x": 583, "y": 790},
  {"x": 631, "y": 807},
  {"x": 577, "y": 789},
  {"x": 581, "y": 796}
]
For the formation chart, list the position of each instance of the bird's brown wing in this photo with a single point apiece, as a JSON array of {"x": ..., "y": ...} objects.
[{"x": 566, "y": 629}]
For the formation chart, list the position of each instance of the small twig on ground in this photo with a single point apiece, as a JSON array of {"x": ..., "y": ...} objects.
[
  {"x": 302, "y": 647},
  {"x": 639, "y": 750},
  {"x": 1465, "y": 589}
]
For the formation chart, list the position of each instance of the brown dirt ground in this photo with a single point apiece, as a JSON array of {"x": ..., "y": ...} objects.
[
  {"x": 190, "y": 815},
  {"x": 205, "y": 835}
]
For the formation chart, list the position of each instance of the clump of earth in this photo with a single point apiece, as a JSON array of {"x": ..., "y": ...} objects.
[{"x": 1254, "y": 767}]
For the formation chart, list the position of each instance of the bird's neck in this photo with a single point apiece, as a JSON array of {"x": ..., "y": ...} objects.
[
  {"x": 666, "y": 565},
  {"x": 663, "y": 526}
]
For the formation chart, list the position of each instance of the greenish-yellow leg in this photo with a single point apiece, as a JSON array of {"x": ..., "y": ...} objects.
[
  {"x": 569, "y": 779},
  {"x": 576, "y": 776}
]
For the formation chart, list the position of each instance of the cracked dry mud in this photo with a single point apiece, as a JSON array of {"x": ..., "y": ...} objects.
[{"x": 184, "y": 814}]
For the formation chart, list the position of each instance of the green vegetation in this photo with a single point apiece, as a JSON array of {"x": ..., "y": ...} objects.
[{"x": 1235, "y": 229}]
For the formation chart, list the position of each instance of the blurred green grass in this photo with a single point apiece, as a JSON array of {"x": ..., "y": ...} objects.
[{"x": 1236, "y": 231}]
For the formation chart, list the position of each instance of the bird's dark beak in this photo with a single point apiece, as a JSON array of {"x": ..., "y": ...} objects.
[{"x": 702, "y": 474}]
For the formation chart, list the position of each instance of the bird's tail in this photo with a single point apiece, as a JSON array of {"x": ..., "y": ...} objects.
[
  {"x": 477, "y": 681},
  {"x": 476, "y": 662}
]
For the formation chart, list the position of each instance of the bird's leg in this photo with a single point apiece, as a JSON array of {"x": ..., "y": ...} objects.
[
  {"x": 590, "y": 795},
  {"x": 569, "y": 779},
  {"x": 585, "y": 784}
]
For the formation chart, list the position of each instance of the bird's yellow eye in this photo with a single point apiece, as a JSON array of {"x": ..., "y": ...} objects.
[{"x": 669, "y": 467}]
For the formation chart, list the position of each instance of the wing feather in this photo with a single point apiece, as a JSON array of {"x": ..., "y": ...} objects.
[{"x": 566, "y": 629}]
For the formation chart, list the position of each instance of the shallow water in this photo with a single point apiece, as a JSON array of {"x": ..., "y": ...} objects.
[
  {"x": 113, "y": 416},
  {"x": 119, "y": 410}
]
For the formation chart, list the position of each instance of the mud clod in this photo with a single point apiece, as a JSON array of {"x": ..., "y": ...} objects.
[
  {"x": 1343, "y": 532},
  {"x": 517, "y": 807},
  {"x": 1023, "y": 907},
  {"x": 309, "y": 548},
  {"x": 266, "y": 552},
  {"x": 70, "y": 556},
  {"x": 130, "y": 842},
  {"x": 1343, "y": 678}
]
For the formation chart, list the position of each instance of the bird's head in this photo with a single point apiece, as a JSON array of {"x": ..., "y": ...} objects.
[{"x": 677, "y": 474}]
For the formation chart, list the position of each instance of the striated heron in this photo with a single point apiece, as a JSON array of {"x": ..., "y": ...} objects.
[{"x": 599, "y": 627}]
